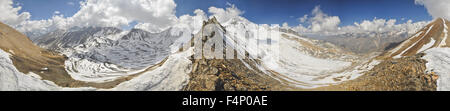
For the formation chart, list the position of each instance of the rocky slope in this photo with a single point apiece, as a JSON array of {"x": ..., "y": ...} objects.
[
  {"x": 302, "y": 63},
  {"x": 434, "y": 35},
  {"x": 112, "y": 59},
  {"x": 418, "y": 64},
  {"x": 402, "y": 74}
]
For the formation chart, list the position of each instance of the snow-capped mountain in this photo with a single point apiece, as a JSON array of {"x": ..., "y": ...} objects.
[
  {"x": 287, "y": 58},
  {"x": 263, "y": 58},
  {"x": 364, "y": 43},
  {"x": 94, "y": 53},
  {"x": 434, "y": 35},
  {"x": 25, "y": 66}
]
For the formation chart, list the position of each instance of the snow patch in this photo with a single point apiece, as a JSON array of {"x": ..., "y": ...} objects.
[
  {"x": 439, "y": 62},
  {"x": 171, "y": 76},
  {"x": 407, "y": 41},
  {"x": 294, "y": 62},
  {"x": 428, "y": 45},
  {"x": 400, "y": 55},
  {"x": 13, "y": 80},
  {"x": 444, "y": 41}
]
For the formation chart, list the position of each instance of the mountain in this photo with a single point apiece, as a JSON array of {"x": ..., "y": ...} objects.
[
  {"x": 237, "y": 55},
  {"x": 302, "y": 62},
  {"x": 434, "y": 35},
  {"x": 60, "y": 39},
  {"x": 419, "y": 63},
  {"x": 430, "y": 44},
  {"x": 24, "y": 64},
  {"x": 98, "y": 53},
  {"x": 111, "y": 59},
  {"x": 364, "y": 43}
]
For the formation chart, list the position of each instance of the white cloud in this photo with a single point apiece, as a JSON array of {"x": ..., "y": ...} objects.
[
  {"x": 436, "y": 8},
  {"x": 303, "y": 19},
  {"x": 56, "y": 12},
  {"x": 194, "y": 23},
  {"x": 10, "y": 15},
  {"x": 321, "y": 23},
  {"x": 152, "y": 15},
  {"x": 70, "y": 3},
  {"x": 158, "y": 14},
  {"x": 383, "y": 25},
  {"x": 224, "y": 15}
]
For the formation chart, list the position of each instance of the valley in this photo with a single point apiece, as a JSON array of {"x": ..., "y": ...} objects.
[{"x": 97, "y": 58}]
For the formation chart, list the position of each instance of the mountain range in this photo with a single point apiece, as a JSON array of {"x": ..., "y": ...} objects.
[{"x": 107, "y": 58}]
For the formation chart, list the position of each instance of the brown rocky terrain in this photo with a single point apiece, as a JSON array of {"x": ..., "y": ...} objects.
[
  {"x": 432, "y": 32},
  {"x": 392, "y": 74},
  {"x": 403, "y": 74}
]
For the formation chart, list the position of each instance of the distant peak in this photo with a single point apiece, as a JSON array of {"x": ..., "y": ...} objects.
[{"x": 213, "y": 20}]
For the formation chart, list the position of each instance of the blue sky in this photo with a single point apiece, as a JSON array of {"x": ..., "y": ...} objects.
[{"x": 266, "y": 11}]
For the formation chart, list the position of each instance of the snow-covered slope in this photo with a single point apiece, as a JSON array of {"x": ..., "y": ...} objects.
[
  {"x": 303, "y": 62},
  {"x": 13, "y": 80},
  {"x": 439, "y": 59},
  {"x": 104, "y": 54},
  {"x": 89, "y": 61},
  {"x": 439, "y": 62}
]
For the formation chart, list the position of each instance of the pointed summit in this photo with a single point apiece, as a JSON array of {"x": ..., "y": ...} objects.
[{"x": 212, "y": 20}]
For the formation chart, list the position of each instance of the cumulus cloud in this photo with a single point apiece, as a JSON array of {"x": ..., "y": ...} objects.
[
  {"x": 158, "y": 14},
  {"x": 224, "y": 15},
  {"x": 10, "y": 15},
  {"x": 383, "y": 25},
  {"x": 152, "y": 15},
  {"x": 321, "y": 23},
  {"x": 436, "y": 8},
  {"x": 303, "y": 19},
  {"x": 194, "y": 23}
]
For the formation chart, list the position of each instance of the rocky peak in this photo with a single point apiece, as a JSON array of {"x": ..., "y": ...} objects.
[{"x": 433, "y": 35}]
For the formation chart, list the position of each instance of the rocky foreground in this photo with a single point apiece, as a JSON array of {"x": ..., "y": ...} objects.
[{"x": 403, "y": 74}]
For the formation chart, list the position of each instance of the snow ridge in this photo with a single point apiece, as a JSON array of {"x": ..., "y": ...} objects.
[{"x": 444, "y": 41}]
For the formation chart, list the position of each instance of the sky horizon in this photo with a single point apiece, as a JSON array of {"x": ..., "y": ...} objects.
[
  {"x": 304, "y": 16},
  {"x": 264, "y": 11}
]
